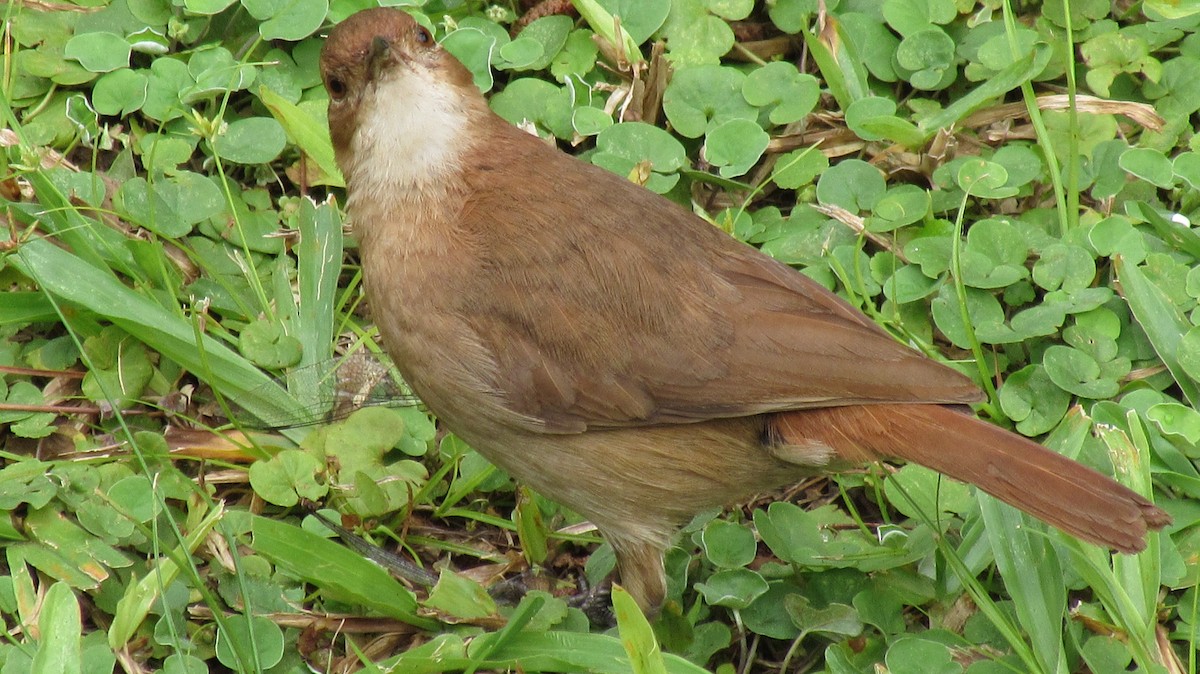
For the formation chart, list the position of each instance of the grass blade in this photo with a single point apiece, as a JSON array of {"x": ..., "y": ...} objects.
[
  {"x": 1161, "y": 321},
  {"x": 59, "y": 650}
]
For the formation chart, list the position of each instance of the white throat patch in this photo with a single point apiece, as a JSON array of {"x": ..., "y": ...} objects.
[{"x": 412, "y": 132}]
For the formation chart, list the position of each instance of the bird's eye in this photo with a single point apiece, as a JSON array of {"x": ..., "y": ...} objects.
[
  {"x": 336, "y": 87},
  {"x": 423, "y": 36}
]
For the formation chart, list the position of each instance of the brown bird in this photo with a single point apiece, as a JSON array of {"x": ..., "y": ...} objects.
[{"x": 615, "y": 351}]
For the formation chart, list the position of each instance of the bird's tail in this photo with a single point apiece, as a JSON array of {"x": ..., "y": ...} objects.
[{"x": 1018, "y": 471}]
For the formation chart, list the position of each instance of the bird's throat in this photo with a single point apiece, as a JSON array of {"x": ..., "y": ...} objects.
[{"x": 411, "y": 136}]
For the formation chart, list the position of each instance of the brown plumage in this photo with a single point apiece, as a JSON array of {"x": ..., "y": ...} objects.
[{"x": 615, "y": 351}]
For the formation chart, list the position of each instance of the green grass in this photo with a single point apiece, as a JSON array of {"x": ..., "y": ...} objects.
[{"x": 148, "y": 288}]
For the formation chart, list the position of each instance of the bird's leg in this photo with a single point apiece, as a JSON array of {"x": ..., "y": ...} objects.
[{"x": 640, "y": 567}]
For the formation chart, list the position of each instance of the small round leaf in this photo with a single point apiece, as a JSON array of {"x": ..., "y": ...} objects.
[
  {"x": 265, "y": 343},
  {"x": 1149, "y": 165},
  {"x": 98, "y": 52},
  {"x": 735, "y": 146},
  {"x": 256, "y": 140},
  {"x": 267, "y": 642}
]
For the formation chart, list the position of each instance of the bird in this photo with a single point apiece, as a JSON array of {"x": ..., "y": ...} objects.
[{"x": 618, "y": 353}]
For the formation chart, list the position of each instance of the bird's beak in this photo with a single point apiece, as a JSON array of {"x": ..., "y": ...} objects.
[{"x": 377, "y": 56}]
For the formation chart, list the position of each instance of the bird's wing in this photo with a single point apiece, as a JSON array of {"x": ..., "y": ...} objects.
[{"x": 612, "y": 307}]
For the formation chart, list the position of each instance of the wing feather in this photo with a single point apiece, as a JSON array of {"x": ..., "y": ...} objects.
[{"x": 622, "y": 309}]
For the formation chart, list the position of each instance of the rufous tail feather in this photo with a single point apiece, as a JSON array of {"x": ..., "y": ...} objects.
[{"x": 1014, "y": 469}]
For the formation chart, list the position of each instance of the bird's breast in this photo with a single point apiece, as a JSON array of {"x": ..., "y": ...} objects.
[{"x": 418, "y": 299}]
